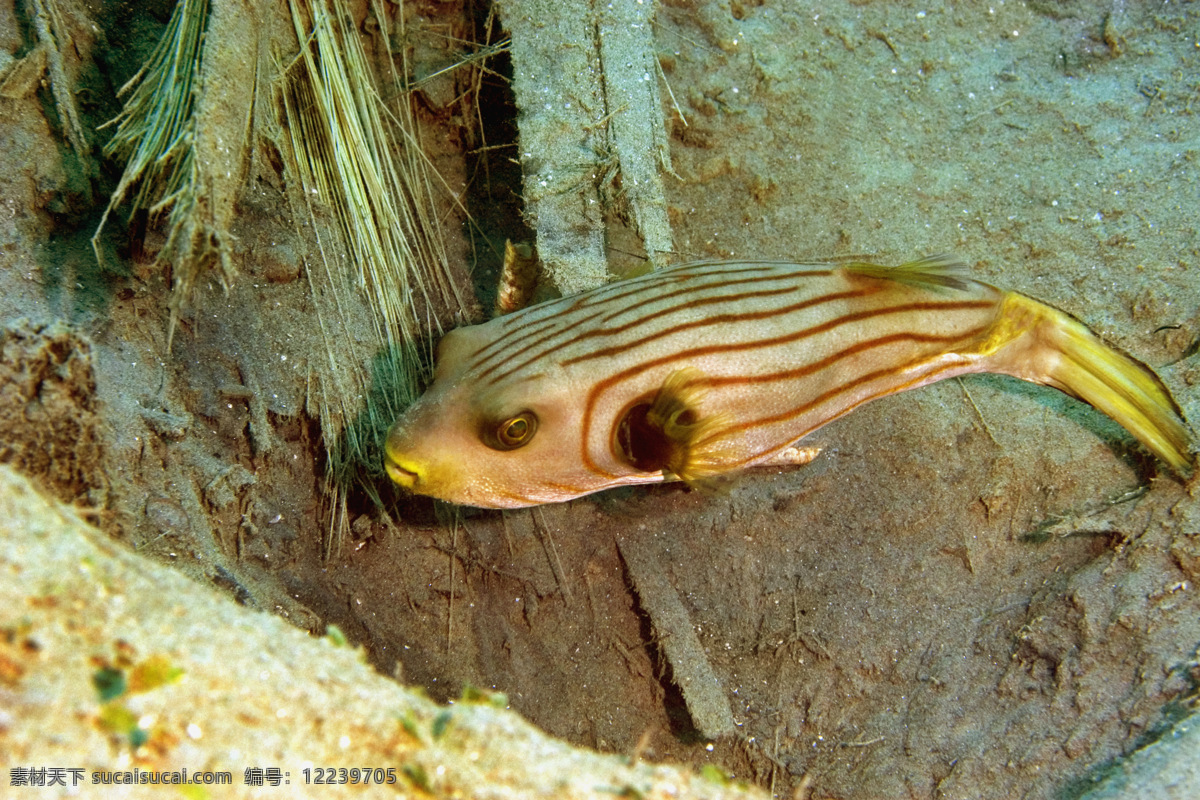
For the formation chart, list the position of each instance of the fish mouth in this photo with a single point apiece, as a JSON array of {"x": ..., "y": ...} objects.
[{"x": 400, "y": 474}]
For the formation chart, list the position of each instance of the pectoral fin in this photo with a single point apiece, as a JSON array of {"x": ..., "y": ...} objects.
[{"x": 670, "y": 433}]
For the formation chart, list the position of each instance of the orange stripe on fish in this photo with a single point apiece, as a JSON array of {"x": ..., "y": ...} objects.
[
  {"x": 791, "y": 338},
  {"x": 633, "y": 327},
  {"x": 702, "y": 369},
  {"x": 563, "y": 326}
]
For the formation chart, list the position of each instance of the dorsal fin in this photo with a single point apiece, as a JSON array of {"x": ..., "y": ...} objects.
[
  {"x": 638, "y": 270},
  {"x": 943, "y": 271}
]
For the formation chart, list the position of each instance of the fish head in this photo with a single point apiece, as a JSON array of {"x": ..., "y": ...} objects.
[{"x": 493, "y": 442}]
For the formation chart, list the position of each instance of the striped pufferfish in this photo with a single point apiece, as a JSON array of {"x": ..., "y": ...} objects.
[{"x": 704, "y": 369}]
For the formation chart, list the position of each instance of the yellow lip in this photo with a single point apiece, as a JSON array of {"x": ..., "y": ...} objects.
[{"x": 403, "y": 475}]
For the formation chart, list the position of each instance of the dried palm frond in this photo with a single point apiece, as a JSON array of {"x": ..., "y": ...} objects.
[
  {"x": 52, "y": 41},
  {"x": 362, "y": 161},
  {"x": 156, "y": 135}
]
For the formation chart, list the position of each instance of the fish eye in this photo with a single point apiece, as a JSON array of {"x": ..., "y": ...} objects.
[{"x": 513, "y": 432}]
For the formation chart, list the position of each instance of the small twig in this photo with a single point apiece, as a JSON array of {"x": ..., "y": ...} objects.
[
  {"x": 982, "y": 114},
  {"x": 450, "y": 611},
  {"x": 978, "y": 413},
  {"x": 555, "y": 563},
  {"x": 866, "y": 743},
  {"x": 670, "y": 93}
]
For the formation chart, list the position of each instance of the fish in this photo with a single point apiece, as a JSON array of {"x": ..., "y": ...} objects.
[{"x": 701, "y": 370}]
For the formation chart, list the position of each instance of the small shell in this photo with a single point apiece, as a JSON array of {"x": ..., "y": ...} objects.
[{"x": 518, "y": 278}]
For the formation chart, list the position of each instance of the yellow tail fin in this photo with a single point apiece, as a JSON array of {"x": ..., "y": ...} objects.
[{"x": 1032, "y": 341}]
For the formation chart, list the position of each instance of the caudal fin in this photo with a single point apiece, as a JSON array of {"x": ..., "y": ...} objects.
[{"x": 1035, "y": 342}]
